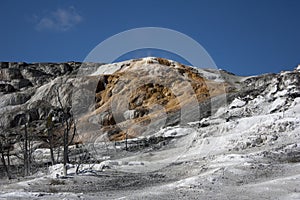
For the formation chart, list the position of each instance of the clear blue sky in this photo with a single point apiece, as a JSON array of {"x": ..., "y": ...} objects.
[{"x": 245, "y": 37}]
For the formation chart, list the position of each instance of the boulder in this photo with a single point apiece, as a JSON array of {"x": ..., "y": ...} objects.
[
  {"x": 55, "y": 69},
  {"x": 237, "y": 103},
  {"x": 7, "y": 88},
  {"x": 132, "y": 114},
  {"x": 17, "y": 65},
  {"x": 129, "y": 114},
  {"x": 9, "y": 74},
  {"x": 14, "y": 99},
  {"x": 21, "y": 83},
  {"x": 3, "y": 65},
  {"x": 104, "y": 119}
]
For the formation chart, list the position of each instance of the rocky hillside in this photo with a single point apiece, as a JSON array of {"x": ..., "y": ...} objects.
[
  {"x": 190, "y": 133},
  {"x": 142, "y": 96},
  {"x": 125, "y": 96}
]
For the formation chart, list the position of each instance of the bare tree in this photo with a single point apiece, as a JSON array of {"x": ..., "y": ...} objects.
[
  {"x": 83, "y": 157},
  {"x": 4, "y": 151},
  {"x": 26, "y": 152},
  {"x": 126, "y": 141},
  {"x": 67, "y": 121},
  {"x": 50, "y": 138}
]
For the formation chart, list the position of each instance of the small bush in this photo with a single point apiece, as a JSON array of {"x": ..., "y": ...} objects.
[
  {"x": 53, "y": 190},
  {"x": 293, "y": 160},
  {"x": 163, "y": 61},
  {"x": 57, "y": 182}
]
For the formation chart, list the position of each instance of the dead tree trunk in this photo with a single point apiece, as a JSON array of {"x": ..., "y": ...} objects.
[
  {"x": 50, "y": 135},
  {"x": 26, "y": 152},
  {"x": 5, "y": 148},
  {"x": 126, "y": 142},
  {"x": 8, "y": 157},
  {"x": 6, "y": 166},
  {"x": 50, "y": 138},
  {"x": 66, "y": 120},
  {"x": 66, "y": 150}
]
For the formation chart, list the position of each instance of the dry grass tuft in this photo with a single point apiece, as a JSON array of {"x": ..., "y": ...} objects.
[{"x": 163, "y": 61}]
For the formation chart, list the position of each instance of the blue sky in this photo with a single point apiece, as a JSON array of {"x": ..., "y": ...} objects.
[{"x": 245, "y": 37}]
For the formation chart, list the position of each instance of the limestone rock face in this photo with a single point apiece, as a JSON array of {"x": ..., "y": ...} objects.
[
  {"x": 23, "y": 94},
  {"x": 131, "y": 98},
  {"x": 144, "y": 95},
  {"x": 9, "y": 74},
  {"x": 123, "y": 95}
]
